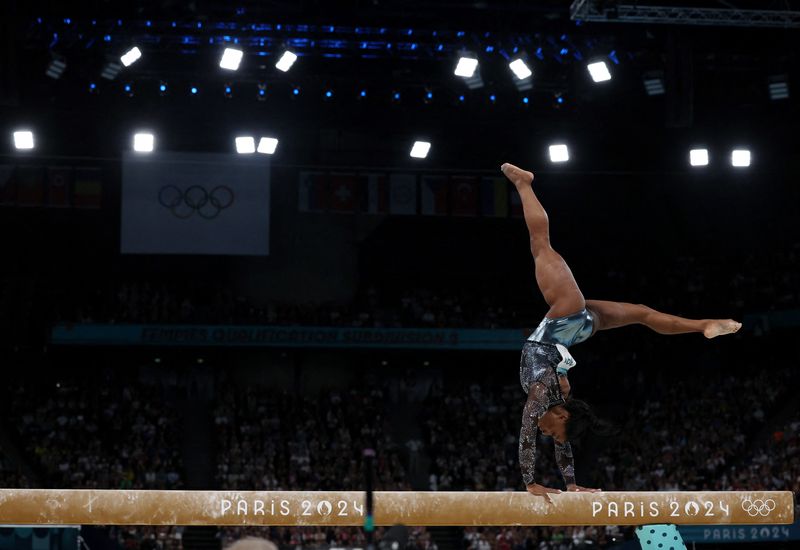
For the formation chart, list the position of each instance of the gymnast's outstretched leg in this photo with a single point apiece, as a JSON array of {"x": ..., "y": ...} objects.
[
  {"x": 553, "y": 275},
  {"x": 562, "y": 294},
  {"x": 610, "y": 315}
]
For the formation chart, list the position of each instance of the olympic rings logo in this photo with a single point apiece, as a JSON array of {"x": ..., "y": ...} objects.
[
  {"x": 184, "y": 204},
  {"x": 758, "y": 506}
]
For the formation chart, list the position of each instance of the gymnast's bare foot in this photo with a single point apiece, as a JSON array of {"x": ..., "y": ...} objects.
[
  {"x": 720, "y": 327},
  {"x": 518, "y": 176}
]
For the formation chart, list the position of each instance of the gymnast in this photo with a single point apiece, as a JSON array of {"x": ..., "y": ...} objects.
[{"x": 570, "y": 320}]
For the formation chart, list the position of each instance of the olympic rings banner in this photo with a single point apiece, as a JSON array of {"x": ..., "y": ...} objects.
[
  {"x": 289, "y": 336},
  {"x": 188, "y": 203}
]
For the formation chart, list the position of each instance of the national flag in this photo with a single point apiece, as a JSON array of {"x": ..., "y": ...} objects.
[
  {"x": 88, "y": 189},
  {"x": 494, "y": 197},
  {"x": 343, "y": 192},
  {"x": 464, "y": 196},
  {"x": 377, "y": 194},
  {"x": 30, "y": 185},
  {"x": 403, "y": 194},
  {"x": 433, "y": 195},
  {"x": 7, "y": 188},
  {"x": 58, "y": 183},
  {"x": 312, "y": 192}
]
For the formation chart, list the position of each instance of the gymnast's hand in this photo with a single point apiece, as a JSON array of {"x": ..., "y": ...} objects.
[
  {"x": 578, "y": 489},
  {"x": 542, "y": 491}
]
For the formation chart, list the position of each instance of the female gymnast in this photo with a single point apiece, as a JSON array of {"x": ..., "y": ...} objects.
[{"x": 570, "y": 320}]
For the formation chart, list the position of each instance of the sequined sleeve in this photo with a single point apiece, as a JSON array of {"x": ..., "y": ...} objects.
[
  {"x": 535, "y": 407},
  {"x": 565, "y": 462}
]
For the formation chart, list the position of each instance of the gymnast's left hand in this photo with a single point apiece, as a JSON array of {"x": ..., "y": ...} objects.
[{"x": 578, "y": 489}]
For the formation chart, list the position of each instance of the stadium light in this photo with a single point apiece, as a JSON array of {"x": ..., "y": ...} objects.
[
  {"x": 740, "y": 158},
  {"x": 599, "y": 71},
  {"x": 559, "y": 153},
  {"x": 520, "y": 69},
  {"x": 231, "y": 58},
  {"x": 56, "y": 67},
  {"x": 23, "y": 139},
  {"x": 267, "y": 145},
  {"x": 286, "y": 61},
  {"x": 245, "y": 145},
  {"x": 131, "y": 56},
  {"x": 654, "y": 83},
  {"x": 466, "y": 67},
  {"x": 778, "y": 87},
  {"x": 698, "y": 157},
  {"x": 420, "y": 149},
  {"x": 143, "y": 142}
]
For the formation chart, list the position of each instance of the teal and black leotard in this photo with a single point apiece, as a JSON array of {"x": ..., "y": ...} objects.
[{"x": 540, "y": 366}]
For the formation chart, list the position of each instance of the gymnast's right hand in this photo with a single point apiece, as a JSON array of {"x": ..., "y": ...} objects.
[{"x": 542, "y": 491}]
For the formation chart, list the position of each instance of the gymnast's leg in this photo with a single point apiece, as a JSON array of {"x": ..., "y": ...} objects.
[
  {"x": 610, "y": 315},
  {"x": 553, "y": 275}
]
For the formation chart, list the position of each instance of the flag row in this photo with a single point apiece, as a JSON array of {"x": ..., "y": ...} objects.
[
  {"x": 407, "y": 194},
  {"x": 50, "y": 186}
]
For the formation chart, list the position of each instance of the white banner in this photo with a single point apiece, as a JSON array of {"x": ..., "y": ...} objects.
[{"x": 189, "y": 203}]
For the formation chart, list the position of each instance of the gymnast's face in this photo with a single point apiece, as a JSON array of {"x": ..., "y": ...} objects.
[{"x": 554, "y": 423}]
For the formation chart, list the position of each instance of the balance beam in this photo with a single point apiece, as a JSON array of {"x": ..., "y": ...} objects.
[{"x": 112, "y": 507}]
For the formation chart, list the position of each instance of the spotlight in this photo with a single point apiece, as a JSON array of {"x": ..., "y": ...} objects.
[
  {"x": 328, "y": 94},
  {"x": 526, "y": 100},
  {"x": 231, "y": 58},
  {"x": 56, "y": 67},
  {"x": 92, "y": 87},
  {"x": 654, "y": 83},
  {"x": 131, "y": 56},
  {"x": 740, "y": 158},
  {"x": 267, "y": 145},
  {"x": 262, "y": 92},
  {"x": 698, "y": 157},
  {"x": 228, "y": 90},
  {"x": 559, "y": 153},
  {"x": 420, "y": 149},
  {"x": 193, "y": 90},
  {"x": 492, "y": 98},
  {"x": 599, "y": 71},
  {"x": 23, "y": 139},
  {"x": 296, "y": 91},
  {"x": 111, "y": 70},
  {"x": 466, "y": 67},
  {"x": 396, "y": 96},
  {"x": 462, "y": 98},
  {"x": 245, "y": 145},
  {"x": 128, "y": 89},
  {"x": 143, "y": 143},
  {"x": 286, "y": 61},
  {"x": 778, "y": 87},
  {"x": 362, "y": 94},
  {"x": 428, "y": 97},
  {"x": 162, "y": 88},
  {"x": 520, "y": 69}
]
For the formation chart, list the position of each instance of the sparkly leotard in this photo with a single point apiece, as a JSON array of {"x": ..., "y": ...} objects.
[
  {"x": 539, "y": 379},
  {"x": 540, "y": 366}
]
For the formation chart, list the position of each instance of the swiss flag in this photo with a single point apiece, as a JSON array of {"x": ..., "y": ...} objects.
[{"x": 342, "y": 189}]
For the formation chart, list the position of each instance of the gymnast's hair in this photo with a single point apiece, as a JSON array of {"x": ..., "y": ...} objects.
[{"x": 582, "y": 420}]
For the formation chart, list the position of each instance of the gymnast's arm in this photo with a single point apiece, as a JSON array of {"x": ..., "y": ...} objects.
[
  {"x": 535, "y": 407},
  {"x": 565, "y": 462}
]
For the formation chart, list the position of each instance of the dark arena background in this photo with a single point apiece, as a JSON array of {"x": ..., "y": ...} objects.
[{"x": 248, "y": 245}]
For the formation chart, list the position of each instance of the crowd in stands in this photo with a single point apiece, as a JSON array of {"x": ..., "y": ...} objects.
[
  {"x": 108, "y": 434},
  {"x": 270, "y": 440},
  {"x": 757, "y": 283}
]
